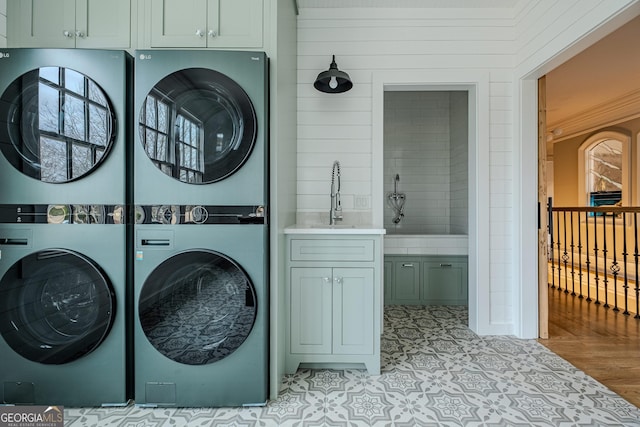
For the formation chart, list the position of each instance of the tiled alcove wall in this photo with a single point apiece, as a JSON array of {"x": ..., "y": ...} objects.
[{"x": 426, "y": 144}]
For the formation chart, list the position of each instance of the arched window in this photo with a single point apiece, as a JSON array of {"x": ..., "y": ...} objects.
[{"x": 603, "y": 169}]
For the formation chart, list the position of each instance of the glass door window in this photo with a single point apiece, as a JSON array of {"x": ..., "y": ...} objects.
[
  {"x": 60, "y": 124},
  {"x": 55, "y": 306},
  {"x": 197, "y": 307},
  {"x": 197, "y": 126}
]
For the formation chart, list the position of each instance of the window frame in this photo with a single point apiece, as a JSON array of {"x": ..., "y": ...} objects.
[
  {"x": 60, "y": 134},
  {"x": 174, "y": 143},
  {"x": 583, "y": 165}
]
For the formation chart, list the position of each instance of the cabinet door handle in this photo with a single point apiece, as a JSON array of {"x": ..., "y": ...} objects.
[
  {"x": 199, "y": 33},
  {"x": 79, "y": 34},
  {"x": 338, "y": 280},
  {"x": 407, "y": 265},
  {"x": 212, "y": 33},
  {"x": 327, "y": 279},
  {"x": 67, "y": 33},
  {"x": 445, "y": 265}
]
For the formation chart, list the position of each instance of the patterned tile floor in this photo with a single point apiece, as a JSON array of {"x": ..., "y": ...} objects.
[{"x": 435, "y": 372}]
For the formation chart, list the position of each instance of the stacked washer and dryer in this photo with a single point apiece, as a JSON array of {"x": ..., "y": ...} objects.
[
  {"x": 63, "y": 269},
  {"x": 200, "y": 191},
  {"x": 133, "y": 241}
]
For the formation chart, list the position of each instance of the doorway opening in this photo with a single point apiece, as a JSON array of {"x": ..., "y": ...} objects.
[{"x": 477, "y": 165}]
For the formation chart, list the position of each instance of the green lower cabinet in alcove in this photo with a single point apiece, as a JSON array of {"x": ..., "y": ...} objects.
[{"x": 425, "y": 280}]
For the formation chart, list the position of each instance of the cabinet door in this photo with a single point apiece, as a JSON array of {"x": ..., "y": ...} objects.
[
  {"x": 310, "y": 310},
  {"x": 388, "y": 281},
  {"x": 235, "y": 23},
  {"x": 103, "y": 25},
  {"x": 42, "y": 23},
  {"x": 445, "y": 282},
  {"x": 179, "y": 23},
  {"x": 406, "y": 282},
  {"x": 353, "y": 305}
]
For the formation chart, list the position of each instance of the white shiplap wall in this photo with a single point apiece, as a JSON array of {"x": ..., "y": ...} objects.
[
  {"x": 507, "y": 44},
  {"x": 366, "y": 41},
  {"x": 3, "y": 23}
]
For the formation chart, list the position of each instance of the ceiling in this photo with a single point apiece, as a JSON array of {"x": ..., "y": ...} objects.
[{"x": 608, "y": 70}]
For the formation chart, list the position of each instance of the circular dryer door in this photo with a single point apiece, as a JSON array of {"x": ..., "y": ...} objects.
[
  {"x": 55, "y": 306},
  {"x": 197, "y": 126},
  {"x": 60, "y": 124},
  {"x": 197, "y": 307}
]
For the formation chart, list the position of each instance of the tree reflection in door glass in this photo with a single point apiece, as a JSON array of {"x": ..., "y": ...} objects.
[{"x": 60, "y": 124}]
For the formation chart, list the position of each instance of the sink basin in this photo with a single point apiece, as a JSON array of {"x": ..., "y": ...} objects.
[{"x": 333, "y": 226}]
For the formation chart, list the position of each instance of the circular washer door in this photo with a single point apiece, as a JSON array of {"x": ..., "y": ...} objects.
[
  {"x": 198, "y": 126},
  {"x": 60, "y": 124},
  {"x": 56, "y": 306},
  {"x": 197, "y": 307}
]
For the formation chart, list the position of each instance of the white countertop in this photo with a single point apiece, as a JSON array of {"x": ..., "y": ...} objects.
[{"x": 333, "y": 229}]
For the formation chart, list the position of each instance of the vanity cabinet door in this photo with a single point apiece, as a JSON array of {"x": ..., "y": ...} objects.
[
  {"x": 353, "y": 306},
  {"x": 310, "y": 310},
  {"x": 332, "y": 310}
]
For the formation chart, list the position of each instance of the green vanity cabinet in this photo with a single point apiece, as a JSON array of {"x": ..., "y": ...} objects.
[
  {"x": 332, "y": 310},
  {"x": 334, "y": 301},
  {"x": 426, "y": 280}
]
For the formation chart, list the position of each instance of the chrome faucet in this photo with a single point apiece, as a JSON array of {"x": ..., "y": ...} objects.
[{"x": 335, "y": 214}]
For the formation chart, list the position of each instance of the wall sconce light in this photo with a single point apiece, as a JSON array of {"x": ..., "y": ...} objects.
[{"x": 333, "y": 80}]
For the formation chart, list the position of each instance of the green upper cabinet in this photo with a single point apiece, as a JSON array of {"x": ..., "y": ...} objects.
[
  {"x": 69, "y": 23},
  {"x": 207, "y": 23}
]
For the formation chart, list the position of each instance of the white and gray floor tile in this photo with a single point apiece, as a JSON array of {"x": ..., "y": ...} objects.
[{"x": 435, "y": 372}]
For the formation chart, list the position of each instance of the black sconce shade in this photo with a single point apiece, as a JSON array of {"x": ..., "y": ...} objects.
[{"x": 333, "y": 80}]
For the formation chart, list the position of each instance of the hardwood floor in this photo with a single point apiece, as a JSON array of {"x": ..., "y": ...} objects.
[{"x": 599, "y": 341}]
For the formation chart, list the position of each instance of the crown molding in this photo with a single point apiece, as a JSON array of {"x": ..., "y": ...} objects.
[{"x": 615, "y": 111}]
